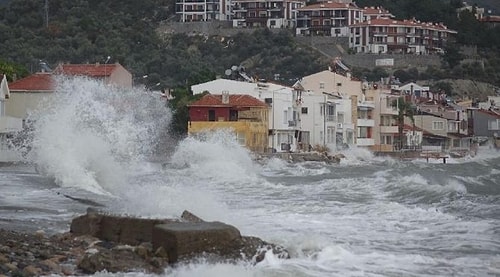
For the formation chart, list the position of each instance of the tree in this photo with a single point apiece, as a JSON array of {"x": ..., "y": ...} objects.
[
  {"x": 405, "y": 109},
  {"x": 452, "y": 55}
]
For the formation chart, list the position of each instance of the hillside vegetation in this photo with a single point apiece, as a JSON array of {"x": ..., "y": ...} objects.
[{"x": 88, "y": 31}]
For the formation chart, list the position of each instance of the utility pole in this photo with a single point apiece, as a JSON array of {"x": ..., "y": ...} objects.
[{"x": 46, "y": 8}]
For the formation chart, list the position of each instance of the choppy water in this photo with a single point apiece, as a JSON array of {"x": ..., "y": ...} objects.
[{"x": 367, "y": 216}]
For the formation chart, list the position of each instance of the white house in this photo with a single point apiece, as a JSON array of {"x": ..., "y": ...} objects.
[
  {"x": 284, "y": 121},
  {"x": 8, "y": 125},
  {"x": 351, "y": 118}
]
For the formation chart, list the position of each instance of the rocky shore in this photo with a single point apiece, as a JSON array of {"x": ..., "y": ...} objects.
[{"x": 98, "y": 242}]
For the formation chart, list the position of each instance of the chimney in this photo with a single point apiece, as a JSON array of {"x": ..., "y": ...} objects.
[{"x": 225, "y": 97}]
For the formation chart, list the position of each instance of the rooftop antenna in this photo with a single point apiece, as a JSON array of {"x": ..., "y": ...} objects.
[{"x": 44, "y": 67}]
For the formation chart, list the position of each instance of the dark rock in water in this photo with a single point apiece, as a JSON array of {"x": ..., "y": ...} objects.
[
  {"x": 188, "y": 239},
  {"x": 188, "y": 216},
  {"x": 100, "y": 242},
  {"x": 126, "y": 230},
  {"x": 113, "y": 260}
]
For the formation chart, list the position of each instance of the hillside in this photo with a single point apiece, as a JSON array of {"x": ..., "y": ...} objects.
[{"x": 88, "y": 31}]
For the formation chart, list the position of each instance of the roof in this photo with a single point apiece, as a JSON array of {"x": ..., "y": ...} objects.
[
  {"x": 491, "y": 19},
  {"x": 406, "y": 23},
  {"x": 425, "y": 133},
  {"x": 212, "y": 100},
  {"x": 91, "y": 70},
  {"x": 41, "y": 81},
  {"x": 488, "y": 112},
  {"x": 375, "y": 11},
  {"x": 329, "y": 6}
]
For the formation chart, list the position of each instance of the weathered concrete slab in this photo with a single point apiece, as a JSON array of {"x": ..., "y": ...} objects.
[
  {"x": 124, "y": 230},
  {"x": 188, "y": 239}
]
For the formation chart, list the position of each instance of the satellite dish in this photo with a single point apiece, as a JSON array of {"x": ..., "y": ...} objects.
[
  {"x": 234, "y": 67},
  {"x": 228, "y": 72}
]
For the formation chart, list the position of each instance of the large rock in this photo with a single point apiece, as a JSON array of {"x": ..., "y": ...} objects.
[
  {"x": 188, "y": 239},
  {"x": 125, "y": 230}
]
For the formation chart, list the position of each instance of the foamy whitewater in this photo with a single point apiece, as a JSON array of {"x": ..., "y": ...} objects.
[{"x": 367, "y": 216}]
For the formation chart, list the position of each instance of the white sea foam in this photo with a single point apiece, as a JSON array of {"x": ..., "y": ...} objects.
[{"x": 86, "y": 133}]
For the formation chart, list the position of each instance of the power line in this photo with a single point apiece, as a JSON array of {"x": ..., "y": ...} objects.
[{"x": 46, "y": 8}]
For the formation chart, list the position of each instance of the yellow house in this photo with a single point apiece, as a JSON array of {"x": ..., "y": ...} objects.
[{"x": 244, "y": 115}]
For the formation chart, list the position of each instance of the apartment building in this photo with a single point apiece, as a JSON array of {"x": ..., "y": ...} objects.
[
  {"x": 328, "y": 18},
  {"x": 202, "y": 10},
  {"x": 265, "y": 13},
  {"x": 385, "y": 35}
]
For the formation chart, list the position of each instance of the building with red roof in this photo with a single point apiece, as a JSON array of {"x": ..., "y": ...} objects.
[
  {"x": 245, "y": 116},
  {"x": 114, "y": 74},
  {"x": 386, "y": 35},
  {"x": 28, "y": 92}
]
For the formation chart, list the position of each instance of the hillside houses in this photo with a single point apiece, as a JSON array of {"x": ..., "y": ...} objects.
[
  {"x": 368, "y": 29},
  {"x": 333, "y": 110}
]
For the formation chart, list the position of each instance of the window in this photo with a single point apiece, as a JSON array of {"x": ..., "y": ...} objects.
[
  {"x": 330, "y": 131},
  {"x": 456, "y": 143},
  {"x": 340, "y": 117},
  {"x": 494, "y": 124},
  {"x": 285, "y": 117},
  {"x": 385, "y": 139},
  {"x": 240, "y": 137},
  {"x": 364, "y": 132},
  {"x": 437, "y": 125},
  {"x": 233, "y": 115},
  {"x": 211, "y": 115},
  {"x": 322, "y": 85},
  {"x": 304, "y": 110}
]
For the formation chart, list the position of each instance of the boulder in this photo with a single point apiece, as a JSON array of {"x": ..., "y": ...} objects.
[
  {"x": 125, "y": 230},
  {"x": 113, "y": 260},
  {"x": 188, "y": 216},
  {"x": 189, "y": 239}
]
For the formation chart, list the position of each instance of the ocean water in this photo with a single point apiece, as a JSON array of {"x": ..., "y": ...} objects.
[{"x": 367, "y": 216}]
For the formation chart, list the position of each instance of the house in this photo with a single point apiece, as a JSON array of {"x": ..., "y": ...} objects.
[
  {"x": 283, "y": 104},
  {"x": 111, "y": 74},
  {"x": 483, "y": 123},
  {"x": 388, "y": 130},
  {"x": 244, "y": 115},
  {"x": 370, "y": 13},
  {"x": 386, "y": 35},
  {"x": 474, "y": 9},
  {"x": 265, "y": 13},
  {"x": 202, "y": 10},
  {"x": 328, "y": 18},
  {"x": 491, "y": 20},
  {"x": 27, "y": 93},
  {"x": 8, "y": 125},
  {"x": 434, "y": 128},
  {"x": 356, "y": 112}
]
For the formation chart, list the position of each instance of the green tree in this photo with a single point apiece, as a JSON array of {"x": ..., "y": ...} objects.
[{"x": 405, "y": 109}]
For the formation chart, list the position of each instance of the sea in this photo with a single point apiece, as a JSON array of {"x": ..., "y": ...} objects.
[{"x": 90, "y": 144}]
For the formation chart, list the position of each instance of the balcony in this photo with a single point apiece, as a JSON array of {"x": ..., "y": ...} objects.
[
  {"x": 365, "y": 142},
  {"x": 389, "y": 129},
  {"x": 292, "y": 123},
  {"x": 366, "y": 104},
  {"x": 364, "y": 122}
]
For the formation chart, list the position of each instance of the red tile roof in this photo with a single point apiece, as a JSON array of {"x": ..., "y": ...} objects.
[
  {"x": 329, "y": 6},
  {"x": 91, "y": 70},
  {"x": 406, "y": 23},
  {"x": 35, "y": 82},
  {"x": 211, "y": 100},
  {"x": 491, "y": 19},
  {"x": 375, "y": 11}
]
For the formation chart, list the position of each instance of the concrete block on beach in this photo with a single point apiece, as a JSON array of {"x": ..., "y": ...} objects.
[
  {"x": 187, "y": 239},
  {"x": 124, "y": 230}
]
